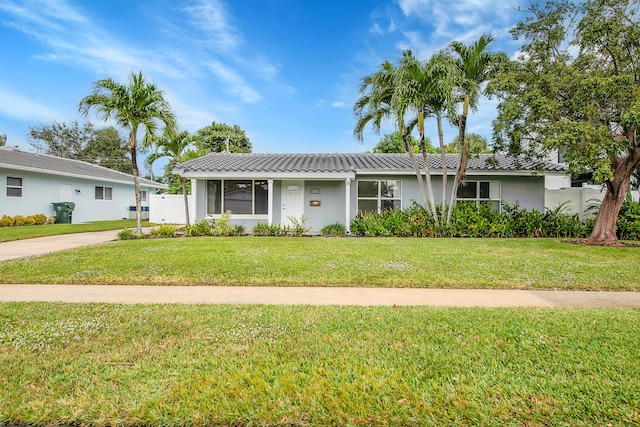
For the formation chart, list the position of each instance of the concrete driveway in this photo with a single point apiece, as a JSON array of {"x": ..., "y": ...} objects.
[{"x": 41, "y": 245}]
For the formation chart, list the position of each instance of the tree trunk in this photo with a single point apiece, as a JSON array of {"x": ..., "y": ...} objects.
[
  {"x": 136, "y": 186},
  {"x": 604, "y": 230},
  {"x": 444, "y": 167},
  {"x": 427, "y": 172},
  {"x": 416, "y": 167},
  {"x": 462, "y": 163},
  {"x": 186, "y": 200}
]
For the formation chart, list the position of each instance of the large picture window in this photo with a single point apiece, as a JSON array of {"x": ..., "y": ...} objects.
[
  {"x": 481, "y": 191},
  {"x": 14, "y": 187},
  {"x": 377, "y": 196},
  {"x": 242, "y": 197}
]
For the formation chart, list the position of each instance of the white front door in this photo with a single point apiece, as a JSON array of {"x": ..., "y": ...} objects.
[
  {"x": 65, "y": 193},
  {"x": 292, "y": 201}
]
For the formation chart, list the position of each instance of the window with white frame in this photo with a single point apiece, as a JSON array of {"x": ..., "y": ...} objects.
[
  {"x": 242, "y": 197},
  {"x": 481, "y": 191},
  {"x": 104, "y": 193},
  {"x": 143, "y": 195},
  {"x": 14, "y": 187},
  {"x": 379, "y": 195}
]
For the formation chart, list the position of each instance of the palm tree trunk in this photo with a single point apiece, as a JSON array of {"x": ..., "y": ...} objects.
[
  {"x": 463, "y": 155},
  {"x": 444, "y": 166},
  {"x": 416, "y": 167},
  {"x": 136, "y": 186},
  {"x": 427, "y": 177},
  {"x": 186, "y": 200}
]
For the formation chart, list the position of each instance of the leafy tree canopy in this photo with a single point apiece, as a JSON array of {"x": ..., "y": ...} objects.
[
  {"x": 213, "y": 139},
  {"x": 575, "y": 88},
  {"x": 3, "y": 139},
  {"x": 477, "y": 144},
  {"x": 393, "y": 143},
  {"x": 104, "y": 147}
]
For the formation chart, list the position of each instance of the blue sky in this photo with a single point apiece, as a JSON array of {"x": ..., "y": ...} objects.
[{"x": 285, "y": 71}]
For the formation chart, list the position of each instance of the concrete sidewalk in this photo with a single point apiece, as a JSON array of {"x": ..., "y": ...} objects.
[
  {"x": 316, "y": 296},
  {"x": 41, "y": 245}
]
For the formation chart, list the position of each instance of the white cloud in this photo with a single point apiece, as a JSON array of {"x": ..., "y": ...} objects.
[
  {"x": 210, "y": 17},
  {"x": 338, "y": 104},
  {"x": 235, "y": 83},
  {"x": 18, "y": 106}
]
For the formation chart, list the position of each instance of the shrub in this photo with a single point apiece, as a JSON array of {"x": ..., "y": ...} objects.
[
  {"x": 19, "y": 220},
  {"x": 6, "y": 221},
  {"x": 333, "y": 230},
  {"x": 297, "y": 226},
  {"x": 164, "y": 230},
  {"x": 128, "y": 234},
  {"x": 264, "y": 229},
  {"x": 39, "y": 219},
  {"x": 239, "y": 230},
  {"x": 200, "y": 228},
  {"x": 222, "y": 226}
]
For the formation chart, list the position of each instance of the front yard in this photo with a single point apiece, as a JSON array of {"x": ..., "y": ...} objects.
[
  {"x": 177, "y": 365},
  {"x": 375, "y": 262}
]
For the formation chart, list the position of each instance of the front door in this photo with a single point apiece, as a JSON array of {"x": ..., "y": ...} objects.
[{"x": 292, "y": 201}]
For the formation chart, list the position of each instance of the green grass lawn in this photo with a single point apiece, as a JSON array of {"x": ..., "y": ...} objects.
[
  {"x": 172, "y": 365},
  {"x": 8, "y": 234},
  {"x": 375, "y": 262}
]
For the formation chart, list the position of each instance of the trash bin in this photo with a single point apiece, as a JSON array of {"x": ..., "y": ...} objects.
[{"x": 63, "y": 211}]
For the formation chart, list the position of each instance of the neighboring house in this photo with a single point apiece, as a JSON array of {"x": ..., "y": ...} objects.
[
  {"x": 30, "y": 182},
  {"x": 333, "y": 188}
]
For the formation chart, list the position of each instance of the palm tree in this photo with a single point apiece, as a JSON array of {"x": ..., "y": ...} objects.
[
  {"x": 139, "y": 104},
  {"x": 174, "y": 145},
  {"x": 437, "y": 78},
  {"x": 476, "y": 66},
  {"x": 382, "y": 100}
]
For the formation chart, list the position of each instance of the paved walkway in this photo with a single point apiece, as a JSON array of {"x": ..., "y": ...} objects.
[
  {"x": 280, "y": 295},
  {"x": 316, "y": 296}
]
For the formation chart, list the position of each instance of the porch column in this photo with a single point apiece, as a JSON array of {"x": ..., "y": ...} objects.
[
  {"x": 194, "y": 201},
  {"x": 347, "y": 204},
  {"x": 270, "y": 196}
]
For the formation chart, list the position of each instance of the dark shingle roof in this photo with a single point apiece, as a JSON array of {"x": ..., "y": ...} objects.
[
  {"x": 14, "y": 158},
  {"x": 234, "y": 162}
]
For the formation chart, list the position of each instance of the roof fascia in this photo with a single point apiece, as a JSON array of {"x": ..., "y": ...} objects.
[{"x": 265, "y": 175}]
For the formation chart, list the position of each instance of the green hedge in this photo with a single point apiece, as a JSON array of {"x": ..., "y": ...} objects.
[{"x": 480, "y": 220}]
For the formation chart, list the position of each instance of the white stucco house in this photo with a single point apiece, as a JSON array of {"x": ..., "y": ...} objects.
[
  {"x": 30, "y": 183},
  {"x": 330, "y": 188}
]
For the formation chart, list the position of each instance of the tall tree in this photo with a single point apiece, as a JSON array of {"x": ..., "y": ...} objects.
[
  {"x": 439, "y": 76},
  {"x": 61, "y": 140},
  {"x": 174, "y": 145},
  {"x": 109, "y": 149},
  {"x": 381, "y": 99},
  {"x": 476, "y": 65},
  {"x": 477, "y": 144},
  {"x": 393, "y": 143},
  {"x": 214, "y": 138},
  {"x": 576, "y": 89},
  {"x": 134, "y": 106}
]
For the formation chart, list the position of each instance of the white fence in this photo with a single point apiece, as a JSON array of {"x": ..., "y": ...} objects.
[
  {"x": 578, "y": 198},
  {"x": 168, "y": 208}
]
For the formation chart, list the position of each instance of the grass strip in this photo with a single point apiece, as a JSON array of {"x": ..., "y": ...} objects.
[
  {"x": 8, "y": 234},
  {"x": 373, "y": 262},
  {"x": 174, "y": 365}
]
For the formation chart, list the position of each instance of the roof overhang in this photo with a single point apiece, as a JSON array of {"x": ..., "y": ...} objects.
[
  {"x": 79, "y": 176},
  {"x": 265, "y": 175}
]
